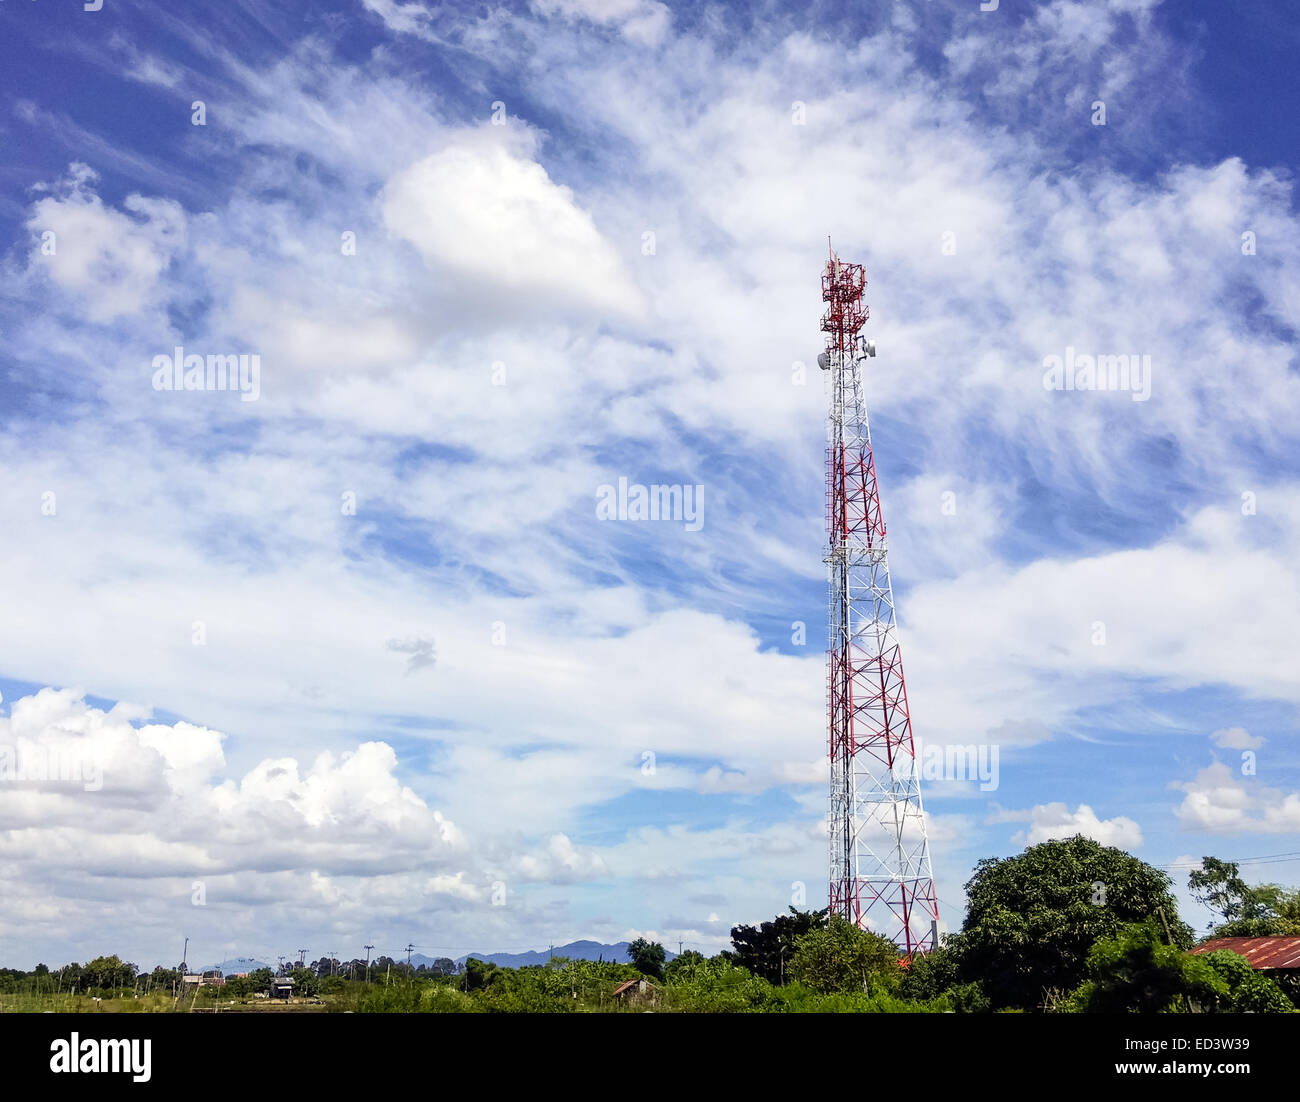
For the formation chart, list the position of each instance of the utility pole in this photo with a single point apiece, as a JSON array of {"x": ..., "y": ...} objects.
[
  {"x": 185, "y": 955},
  {"x": 333, "y": 956},
  {"x": 879, "y": 855},
  {"x": 1169, "y": 937},
  {"x": 367, "y": 949},
  {"x": 302, "y": 958},
  {"x": 409, "y": 947}
]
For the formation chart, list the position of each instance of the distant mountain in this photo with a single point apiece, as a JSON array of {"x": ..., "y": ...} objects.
[
  {"x": 227, "y": 967},
  {"x": 575, "y": 950}
]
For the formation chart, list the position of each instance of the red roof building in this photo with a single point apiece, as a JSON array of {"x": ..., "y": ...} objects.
[{"x": 1266, "y": 954}]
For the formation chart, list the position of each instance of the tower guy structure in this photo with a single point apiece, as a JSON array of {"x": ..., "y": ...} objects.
[{"x": 880, "y": 871}]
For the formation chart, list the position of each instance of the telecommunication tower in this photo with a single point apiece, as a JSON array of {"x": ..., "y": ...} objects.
[{"x": 880, "y": 874}]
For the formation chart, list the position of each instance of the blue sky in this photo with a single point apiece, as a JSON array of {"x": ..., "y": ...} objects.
[{"x": 359, "y": 660}]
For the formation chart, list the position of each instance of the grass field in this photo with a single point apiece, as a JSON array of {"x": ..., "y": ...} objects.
[{"x": 45, "y": 1002}]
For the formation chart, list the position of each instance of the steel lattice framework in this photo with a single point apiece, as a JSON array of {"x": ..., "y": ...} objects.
[{"x": 880, "y": 871}]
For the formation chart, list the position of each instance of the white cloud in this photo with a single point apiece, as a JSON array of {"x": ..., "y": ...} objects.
[
  {"x": 481, "y": 208},
  {"x": 1236, "y": 738},
  {"x": 1056, "y": 820},
  {"x": 561, "y": 862},
  {"x": 1218, "y": 801},
  {"x": 456, "y": 886},
  {"x": 153, "y": 796},
  {"x": 1042, "y": 616},
  {"x": 405, "y": 18},
  {"x": 110, "y": 260},
  {"x": 644, "y": 21}
]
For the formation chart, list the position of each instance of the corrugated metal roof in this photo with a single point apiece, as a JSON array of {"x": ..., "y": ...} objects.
[{"x": 1262, "y": 952}]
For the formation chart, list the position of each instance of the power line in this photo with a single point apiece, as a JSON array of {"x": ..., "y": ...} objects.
[{"x": 1266, "y": 859}]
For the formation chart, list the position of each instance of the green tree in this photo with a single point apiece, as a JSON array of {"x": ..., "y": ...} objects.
[
  {"x": 305, "y": 982},
  {"x": 937, "y": 974},
  {"x": 480, "y": 973},
  {"x": 163, "y": 979},
  {"x": 331, "y": 985},
  {"x": 237, "y": 987},
  {"x": 1248, "y": 910},
  {"x": 840, "y": 957},
  {"x": 1217, "y": 885},
  {"x": 719, "y": 986},
  {"x": 108, "y": 973},
  {"x": 1032, "y": 919},
  {"x": 1248, "y": 991},
  {"x": 683, "y": 967},
  {"x": 647, "y": 957},
  {"x": 766, "y": 949},
  {"x": 1136, "y": 971},
  {"x": 71, "y": 977}
]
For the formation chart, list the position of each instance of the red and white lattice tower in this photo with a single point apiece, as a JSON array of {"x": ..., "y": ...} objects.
[{"x": 880, "y": 876}]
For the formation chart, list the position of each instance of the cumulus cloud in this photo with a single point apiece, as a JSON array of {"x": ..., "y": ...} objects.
[
  {"x": 1219, "y": 801},
  {"x": 1055, "y": 820},
  {"x": 1236, "y": 738},
  {"x": 483, "y": 209},
  {"x": 109, "y": 259},
  {"x": 561, "y": 862},
  {"x": 157, "y": 800}
]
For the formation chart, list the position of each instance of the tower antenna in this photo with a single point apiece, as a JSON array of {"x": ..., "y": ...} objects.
[{"x": 880, "y": 873}]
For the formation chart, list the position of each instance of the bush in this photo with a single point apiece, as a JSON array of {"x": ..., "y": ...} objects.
[
  {"x": 967, "y": 998},
  {"x": 415, "y": 998},
  {"x": 1248, "y": 991},
  {"x": 1136, "y": 971},
  {"x": 717, "y": 986},
  {"x": 840, "y": 957}
]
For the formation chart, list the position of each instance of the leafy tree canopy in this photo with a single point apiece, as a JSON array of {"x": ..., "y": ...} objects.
[
  {"x": 684, "y": 967},
  {"x": 1137, "y": 972},
  {"x": 1032, "y": 919},
  {"x": 1259, "y": 910},
  {"x": 647, "y": 957},
  {"x": 766, "y": 950},
  {"x": 840, "y": 957}
]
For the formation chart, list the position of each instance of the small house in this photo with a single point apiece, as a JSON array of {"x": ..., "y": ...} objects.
[
  {"x": 639, "y": 990},
  {"x": 281, "y": 987}
]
